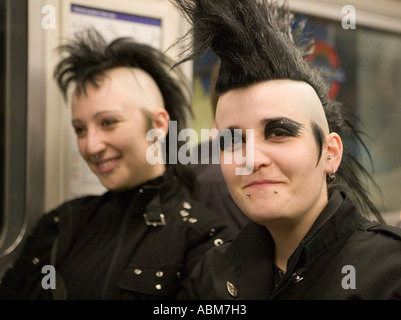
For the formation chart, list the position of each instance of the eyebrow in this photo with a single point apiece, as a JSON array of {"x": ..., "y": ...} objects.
[
  {"x": 232, "y": 128},
  {"x": 97, "y": 114},
  {"x": 277, "y": 120},
  {"x": 76, "y": 121},
  {"x": 281, "y": 120}
]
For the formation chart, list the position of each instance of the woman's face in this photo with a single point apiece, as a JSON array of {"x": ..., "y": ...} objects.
[
  {"x": 287, "y": 180},
  {"x": 111, "y": 130}
]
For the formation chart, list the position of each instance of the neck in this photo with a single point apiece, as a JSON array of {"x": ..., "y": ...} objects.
[
  {"x": 288, "y": 233},
  {"x": 285, "y": 244}
]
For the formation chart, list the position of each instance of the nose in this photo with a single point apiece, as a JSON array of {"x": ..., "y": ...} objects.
[
  {"x": 260, "y": 154},
  {"x": 256, "y": 154},
  {"x": 95, "y": 144}
]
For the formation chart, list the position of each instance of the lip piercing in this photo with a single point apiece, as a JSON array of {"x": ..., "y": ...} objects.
[{"x": 248, "y": 194}]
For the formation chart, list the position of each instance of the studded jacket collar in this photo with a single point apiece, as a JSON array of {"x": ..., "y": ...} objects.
[
  {"x": 334, "y": 225},
  {"x": 339, "y": 240},
  {"x": 164, "y": 235}
]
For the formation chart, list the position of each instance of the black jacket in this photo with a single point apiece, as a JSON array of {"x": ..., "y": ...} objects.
[
  {"x": 343, "y": 256},
  {"x": 162, "y": 238}
]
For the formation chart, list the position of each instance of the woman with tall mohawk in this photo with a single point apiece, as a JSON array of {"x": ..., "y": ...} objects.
[{"x": 310, "y": 236}]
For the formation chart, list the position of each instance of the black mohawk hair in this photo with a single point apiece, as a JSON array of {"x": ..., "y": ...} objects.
[
  {"x": 257, "y": 40},
  {"x": 253, "y": 39}
]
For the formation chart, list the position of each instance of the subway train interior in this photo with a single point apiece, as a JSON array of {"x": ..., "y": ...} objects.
[{"x": 357, "y": 41}]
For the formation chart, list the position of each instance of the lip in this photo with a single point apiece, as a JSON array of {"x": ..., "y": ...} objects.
[
  {"x": 105, "y": 166},
  {"x": 262, "y": 183}
]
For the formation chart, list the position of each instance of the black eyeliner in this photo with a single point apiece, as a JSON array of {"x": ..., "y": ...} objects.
[
  {"x": 291, "y": 127},
  {"x": 228, "y": 135}
]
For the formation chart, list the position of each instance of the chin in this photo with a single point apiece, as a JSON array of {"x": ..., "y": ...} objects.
[
  {"x": 113, "y": 186},
  {"x": 262, "y": 216}
]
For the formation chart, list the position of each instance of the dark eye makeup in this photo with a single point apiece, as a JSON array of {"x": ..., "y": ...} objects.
[
  {"x": 281, "y": 127},
  {"x": 230, "y": 139},
  {"x": 276, "y": 128}
]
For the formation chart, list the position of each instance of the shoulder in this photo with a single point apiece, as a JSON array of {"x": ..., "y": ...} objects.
[
  {"x": 199, "y": 224},
  {"x": 374, "y": 240},
  {"x": 81, "y": 202},
  {"x": 387, "y": 231},
  {"x": 201, "y": 219},
  {"x": 182, "y": 204},
  {"x": 50, "y": 220}
]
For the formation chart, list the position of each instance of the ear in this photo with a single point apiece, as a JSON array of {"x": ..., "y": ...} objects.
[
  {"x": 160, "y": 120},
  {"x": 334, "y": 152}
]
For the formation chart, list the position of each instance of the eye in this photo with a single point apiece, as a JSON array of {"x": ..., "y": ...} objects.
[
  {"x": 230, "y": 140},
  {"x": 79, "y": 130},
  {"x": 108, "y": 122},
  {"x": 281, "y": 128},
  {"x": 278, "y": 133}
]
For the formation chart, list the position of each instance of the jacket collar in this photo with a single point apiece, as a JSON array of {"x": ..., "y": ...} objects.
[
  {"x": 333, "y": 227},
  {"x": 254, "y": 246},
  {"x": 154, "y": 193}
]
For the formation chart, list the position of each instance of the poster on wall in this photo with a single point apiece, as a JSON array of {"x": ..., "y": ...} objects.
[{"x": 111, "y": 24}]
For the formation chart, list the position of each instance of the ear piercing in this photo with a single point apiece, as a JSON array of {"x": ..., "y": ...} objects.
[{"x": 332, "y": 176}]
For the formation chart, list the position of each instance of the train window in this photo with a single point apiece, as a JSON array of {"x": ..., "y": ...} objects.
[
  {"x": 13, "y": 119},
  {"x": 362, "y": 66},
  {"x": 2, "y": 112}
]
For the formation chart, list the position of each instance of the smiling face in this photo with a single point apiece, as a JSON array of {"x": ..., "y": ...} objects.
[
  {"x": 288, "y": 180},
  {"x": 111, "y": 127}
]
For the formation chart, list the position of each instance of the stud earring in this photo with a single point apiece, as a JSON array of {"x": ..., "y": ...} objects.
[
  {"x": 329, "y": 157},
  {"x": 276, "y": 191},
  {"x": 248, "y": 194}
]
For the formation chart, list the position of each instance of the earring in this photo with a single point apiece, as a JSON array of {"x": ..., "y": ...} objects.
[
  {"x": 329, "y": 157},
  {"x": 248, "y": 194},
  {"x": 332, "y": 176}
]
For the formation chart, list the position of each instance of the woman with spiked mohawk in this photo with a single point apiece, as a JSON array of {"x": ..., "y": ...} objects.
[
  {"x": 309, "y": 238},
  {"x": 145, "y": 234}
]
